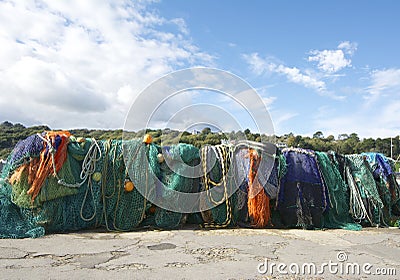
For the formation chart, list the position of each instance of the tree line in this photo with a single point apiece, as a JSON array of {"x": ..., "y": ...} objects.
[{"x": 10, "y": 134}]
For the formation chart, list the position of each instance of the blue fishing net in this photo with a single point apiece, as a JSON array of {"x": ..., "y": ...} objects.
[
  {"x": 302, "y": 196},
  {"x": 24, "y": 150}
]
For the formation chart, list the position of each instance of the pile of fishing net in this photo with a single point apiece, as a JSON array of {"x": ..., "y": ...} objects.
[
  {"x": 242, "y": 185},
  {"x": 328, "y": 190},
  {"x": 303, "y": 196},
  {"x": 53, "y": 182},
  {"x": 382, "y": 169}
]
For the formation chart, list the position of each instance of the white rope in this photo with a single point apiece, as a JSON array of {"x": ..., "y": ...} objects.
[
  {"x": 357, "y": 207},
  {"x": 88, "y": 169},
  {"x": 88, "y": 164}
]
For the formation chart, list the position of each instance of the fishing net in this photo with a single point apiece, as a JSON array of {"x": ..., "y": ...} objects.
[
  {"x": 50, "y": 190},
  {"x": 124, "y": 208},
  {"x": 394, "y": 190},
  {"x": 258, "y": 202},
  {"x": 84, "y": 209},
  {"x": 242, "y": 168},
  {"x": 177, "y": 163},
  {"x": 382, "y": 170},
  {"x": 15, "y": 222},
  {"x": 302, "y": 197},
  {"x": 365, "y": 203},
  {"x": 247, "y": 170},
  {"x": 25, "y": 150},
  {"x": 338, "y": 213},
  {"x": 219, "y": 186},
  {"x": 26, "y": 184},
  {"x": 52, "y": 182},
  {"x": 88, "y": 193}
]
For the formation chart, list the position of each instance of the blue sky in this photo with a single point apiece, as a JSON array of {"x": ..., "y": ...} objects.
[{"x": 332, "y": 66}]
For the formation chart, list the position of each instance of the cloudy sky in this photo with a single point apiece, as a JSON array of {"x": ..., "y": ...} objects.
[{"x": 317, "y": 65}]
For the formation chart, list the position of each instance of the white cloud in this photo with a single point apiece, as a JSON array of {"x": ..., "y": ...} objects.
[
  {"x": 280, "y": 119},
  {"x": 181, "y": 24},
  {"x": 364, "y": 123},
  {"x": 295, "y": 75},
  {"x": 268, "y": 101},
  {"x": 348, "y": 47},
  {"x": 385, "y": 82},
  {"x": 259, "y": 66},
  {"x": 374, "y": 116},
  {"x": 80, "y": 63},
  {"x": 332, "y": 61},
  {"x": 377, "y": 119}
]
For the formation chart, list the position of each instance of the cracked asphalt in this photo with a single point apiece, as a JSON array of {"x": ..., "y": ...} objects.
[{"x": 190, "y": 253}]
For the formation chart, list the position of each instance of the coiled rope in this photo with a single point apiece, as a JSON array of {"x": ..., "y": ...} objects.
[
  {"x": 223, "y": 154},
  {"x": 88, "y": 168}
]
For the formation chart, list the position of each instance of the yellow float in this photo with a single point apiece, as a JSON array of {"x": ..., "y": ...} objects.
[
  {"x": 128, "y": 186},
  {"x": 147, "y": 139},
  {"x": 96, "y": 176}
]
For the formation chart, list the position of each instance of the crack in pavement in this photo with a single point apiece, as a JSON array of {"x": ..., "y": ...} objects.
[{"x": 12, "y": 253}]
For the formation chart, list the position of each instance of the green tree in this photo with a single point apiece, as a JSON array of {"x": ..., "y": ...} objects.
[
  {"x": 330, "y": 138},
  {"x": 206, "y": 131},
  {"x": 318, "y": 135}
]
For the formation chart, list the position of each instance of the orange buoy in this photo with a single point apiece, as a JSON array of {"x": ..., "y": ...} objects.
[
  {"x": 147, "y": 139},
  {"x": 152, "y": 209},
  {"x": 128, "y": 186}
]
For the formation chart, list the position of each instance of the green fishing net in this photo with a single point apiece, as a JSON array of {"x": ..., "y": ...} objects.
[
  {"x": 367, "y": 209},
  {"x": 338, "y": 213}
]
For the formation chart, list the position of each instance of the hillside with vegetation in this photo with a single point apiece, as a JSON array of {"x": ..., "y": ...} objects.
[{"x": 10, "y": 134}]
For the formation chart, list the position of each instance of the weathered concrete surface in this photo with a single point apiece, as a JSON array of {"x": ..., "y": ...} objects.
[{"x": 196, "y": 254}]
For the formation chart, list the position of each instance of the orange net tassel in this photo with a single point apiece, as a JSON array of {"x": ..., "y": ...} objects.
[
  {"x": 258, "y": 201},
  {"x": 16, "y": 177},
  {"x": 33, "y": 167},
  {"x": 46, "y": 163},
  {"x": 30, "y": 168}
]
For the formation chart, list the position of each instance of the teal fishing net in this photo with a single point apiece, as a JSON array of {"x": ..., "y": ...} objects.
[
  {"x": 366, "y": 205},
  {"x": 177, "y": 161},
  {"x": 338, "y": 213},
  {"x": 16, "y": 222},
  {"x": 382, "y": 170},
  {"x": 97, "y": 200}
]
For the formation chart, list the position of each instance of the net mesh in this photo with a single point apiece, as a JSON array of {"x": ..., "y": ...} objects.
[
  {"x": 365, "y": 203},
  {"x": 338, "y": 214},
  {"x": 179, "y": 158},
  {"x": 382, "y": 170},
  {"x": 302, "y": 195}
]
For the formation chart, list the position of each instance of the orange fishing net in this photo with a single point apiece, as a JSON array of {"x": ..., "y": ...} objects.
[
  {"x": 258, "y": 201},
  {"x": 54, "y": 150}
]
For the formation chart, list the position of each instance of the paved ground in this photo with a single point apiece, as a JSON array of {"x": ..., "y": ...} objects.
[{"x": 202, "y": 254}]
